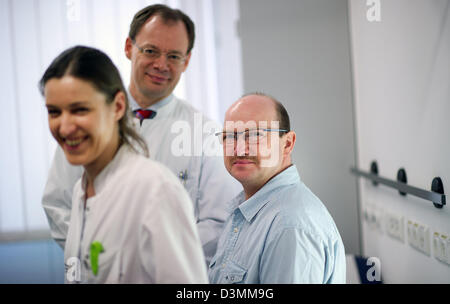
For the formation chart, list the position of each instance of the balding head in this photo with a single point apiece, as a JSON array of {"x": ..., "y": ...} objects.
[
  {"x": 252, "y": 107},
  {"x": 264, "y": 101}
]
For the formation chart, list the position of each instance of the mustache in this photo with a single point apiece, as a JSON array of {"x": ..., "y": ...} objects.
[{"x": 249, "y": 158}]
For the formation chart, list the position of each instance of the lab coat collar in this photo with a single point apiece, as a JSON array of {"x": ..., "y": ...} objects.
[
  {"x": 101, "y": 179},
  {"x": 251, "y": 207}
]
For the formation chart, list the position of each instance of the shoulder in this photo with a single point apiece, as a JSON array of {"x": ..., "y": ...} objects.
[
  {"x": 298, "y": 208},
  {"x": 201, "y": 126},
  {"x": 151, "y": 180},
  {"x": 184, "y": 107},
  {"x": 143, "y": 170},
  {"x": 186, "y": 110}
]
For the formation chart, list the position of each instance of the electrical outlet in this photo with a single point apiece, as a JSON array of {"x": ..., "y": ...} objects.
[
  {"x": 424, "y": 239},
  {"x": 394, "y": 226},
  {"x": 448, "y": 251},
  {"x": 378, "y": 219},
  {"x": 411, "y": 232},
  {"x": 419, "y": 237},
  {"x": 441, "y": 247},
  {"x": 367, "y": 214},
  {"x": 374, "y": 217}
]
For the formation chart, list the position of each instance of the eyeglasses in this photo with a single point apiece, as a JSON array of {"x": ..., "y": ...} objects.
[
  {"x": 254, "y": 136},
  {"x": 173, "y": 58}
]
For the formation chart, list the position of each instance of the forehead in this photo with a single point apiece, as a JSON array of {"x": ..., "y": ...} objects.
[
  {"x": 171, "y": 35},
  {"x": 253, "y": 109},
  {"x": 68, "y": 89}
]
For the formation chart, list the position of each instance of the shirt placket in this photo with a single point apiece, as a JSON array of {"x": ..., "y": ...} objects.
[
  {"x": 82, "y": 255},
  {"x": 236, "y": 225}
]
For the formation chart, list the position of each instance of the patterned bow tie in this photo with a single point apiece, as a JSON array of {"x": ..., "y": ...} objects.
[{"x": 144, "y": 114}]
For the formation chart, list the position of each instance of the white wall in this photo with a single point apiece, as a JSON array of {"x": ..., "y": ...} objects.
[
  {"x": 298, "y": 51},
  {"x": 401, "y": 69},
  {"x": 229, "y": 53}
]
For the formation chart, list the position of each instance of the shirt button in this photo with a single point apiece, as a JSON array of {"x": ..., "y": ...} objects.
[
  {"x": 223, "y": 265},
  {"x": 236, "y": 230}
]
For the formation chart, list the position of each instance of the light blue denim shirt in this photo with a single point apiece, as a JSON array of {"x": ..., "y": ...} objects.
[{"x": 282, "y": 234}]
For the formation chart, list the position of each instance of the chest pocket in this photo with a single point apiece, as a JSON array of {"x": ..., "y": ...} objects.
[{"x": 234, "y": 273}]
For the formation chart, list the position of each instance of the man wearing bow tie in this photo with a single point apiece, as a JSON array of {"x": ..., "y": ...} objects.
[{"x": 159, "y": 48}]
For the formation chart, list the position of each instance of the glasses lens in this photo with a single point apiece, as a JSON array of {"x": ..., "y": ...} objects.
[
  {"x": 175, "y": 59},
  {"x": 228, "y": 138},
  {"x": 253, "y": 136},
  {"x": 150, "y": 53}
]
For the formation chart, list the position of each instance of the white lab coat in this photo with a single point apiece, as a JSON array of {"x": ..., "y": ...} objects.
[
  {"x": 208, "y": 183},
  {"x": 144, "y": 220}
]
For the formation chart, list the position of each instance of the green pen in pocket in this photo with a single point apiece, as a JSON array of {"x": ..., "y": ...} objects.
[{"x": 96, "y": 249}]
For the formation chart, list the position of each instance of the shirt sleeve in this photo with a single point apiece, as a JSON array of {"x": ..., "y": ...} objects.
[
  {"x": 293, "y": 256},
  {"x": 57, "y": 198},
  {"x": 216, "y": 188},
  {"x": 170, "y": 249}
]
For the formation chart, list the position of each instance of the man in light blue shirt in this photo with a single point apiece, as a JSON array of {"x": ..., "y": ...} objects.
[{"x": 278, "y": 231}]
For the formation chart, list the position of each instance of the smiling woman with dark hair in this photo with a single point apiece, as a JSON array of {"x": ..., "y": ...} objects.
[{"x": 131, "y": 221}]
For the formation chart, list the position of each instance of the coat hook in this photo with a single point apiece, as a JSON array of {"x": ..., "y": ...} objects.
[
  {"x": 438, "y": 186},
  {"x": 374, "y": 170},
  {"x": 401, "y": 177}
]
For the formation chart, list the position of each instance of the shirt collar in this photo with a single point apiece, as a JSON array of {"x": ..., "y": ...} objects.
[
  {"x": 154, "y": 107},
  {"x": 251, "y": 207}
]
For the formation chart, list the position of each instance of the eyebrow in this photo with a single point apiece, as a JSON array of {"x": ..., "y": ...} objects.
[
  {"x": 72, "y": 105},
  {"x": 79, "y": 103}
]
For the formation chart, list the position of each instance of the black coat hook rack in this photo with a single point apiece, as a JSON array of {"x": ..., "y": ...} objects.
[{"x": 436, "y": 195}]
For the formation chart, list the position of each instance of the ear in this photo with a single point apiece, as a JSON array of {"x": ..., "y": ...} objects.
[
  {"x": 186, "y": 62},
  {"x": 120, "y": 105},
  {"x": 128, "y": 47},
  {"x": 289, "y": 143}
]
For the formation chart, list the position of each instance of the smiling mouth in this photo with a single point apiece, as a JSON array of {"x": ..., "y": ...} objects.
[
  {"x": 156, "y": 78},
  {"x": 242, "y": 162},
  {"x": 73, "y": 144}
]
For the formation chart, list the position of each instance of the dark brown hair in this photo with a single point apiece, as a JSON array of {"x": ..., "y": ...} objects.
[
  {"x": 168, "y": 14},
  {"x": 96, "y": 67}
]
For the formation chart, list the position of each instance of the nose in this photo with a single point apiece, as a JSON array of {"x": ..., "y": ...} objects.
[
  {"x": 241, "y": 146},
  {"x": 161, "y": 63},
  {"x": 66, "y": 126}
]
